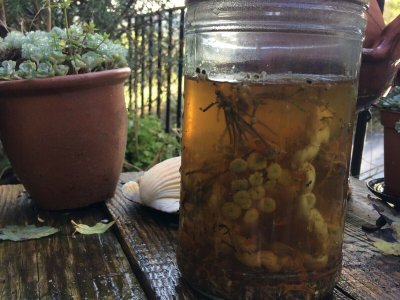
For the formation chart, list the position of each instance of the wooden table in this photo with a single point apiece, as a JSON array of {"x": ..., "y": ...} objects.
[{"x": 136, "y": 259}]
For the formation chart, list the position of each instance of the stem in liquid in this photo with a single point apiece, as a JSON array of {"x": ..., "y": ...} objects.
[{"x": 264, "y": 181}]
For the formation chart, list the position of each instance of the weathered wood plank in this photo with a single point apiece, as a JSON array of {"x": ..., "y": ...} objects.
[
  {"x": 367, "y": 273},
  {"x": 359, "y": 204},
  {"x": 149, "y": 239},
  {"x": 61, "y": 266},
  {"x": 18, "y": 261}
]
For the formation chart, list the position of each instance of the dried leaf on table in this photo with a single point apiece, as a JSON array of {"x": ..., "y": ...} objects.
[
  {"x": 388, "y": 248},
  {"x": 390, "y": 215},
  {"x": 99, "y": 228},
  {"x": 21, "y": 233},
  {"x": 386, "y": 231}
]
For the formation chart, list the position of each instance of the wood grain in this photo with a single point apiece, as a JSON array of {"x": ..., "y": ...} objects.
[
  {"x": 367, "y": 273},
  {"x": 96, "y": 267},
  {"x": 61, "y": 266},
  {"x": 149, "y": 238}
]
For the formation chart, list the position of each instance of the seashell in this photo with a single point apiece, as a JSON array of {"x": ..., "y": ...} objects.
[{"x": 159, "y": 187}]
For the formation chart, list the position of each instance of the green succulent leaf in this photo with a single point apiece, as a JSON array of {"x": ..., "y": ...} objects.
[
  {"x": 92, "y": 60},
  {"x": 21, "y": 233},
  {"x": 60, "y": 52},
  {"x": 7, "y": 71},
  {"x": 27, "y": 69},
  {"x": 63, "y": 3},
  {"x": 119, "y": 61},
  {"x": 9, "y": 66},
  {"x": 32, "y": 52},
  {"x": 14, "y": 40},
  {"x": 392, "y": 100},
  {"x": 38, "y": 37},
  {"x": 89, "y": 27},
  {"x": 45, "y": 70},
  {"x": 95, "y": 40},
  {"x": 61, "y": 70},
  {"x": 58, "y": 33},
  {"x": 75, "y": 32},
  {"x": 57, "y": 57},
  {"x": 77, "y": 63}
]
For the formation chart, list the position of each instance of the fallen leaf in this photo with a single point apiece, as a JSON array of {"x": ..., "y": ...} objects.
[
  {"x": 21, "y": 233},
  {"x": 384, "y": 234},
  {"x": 388, "y": 248},
  {"x": 390, "y": 215},
  {"x": 99, "y": 228}
]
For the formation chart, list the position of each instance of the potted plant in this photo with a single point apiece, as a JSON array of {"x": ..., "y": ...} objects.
[
  {"x": 390, "y": 119},
  {"x": 63, "y": 120}
]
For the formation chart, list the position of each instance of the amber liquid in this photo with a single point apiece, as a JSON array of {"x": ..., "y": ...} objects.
[{"x": 264, "y": 186}]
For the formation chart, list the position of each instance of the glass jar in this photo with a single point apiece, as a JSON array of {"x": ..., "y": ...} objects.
[{"x": 270, "y": 95}]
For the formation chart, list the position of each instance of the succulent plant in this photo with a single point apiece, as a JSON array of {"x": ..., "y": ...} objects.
[
  {"x": 39, "y": 54},
  {"x": 391, "y": 101}
]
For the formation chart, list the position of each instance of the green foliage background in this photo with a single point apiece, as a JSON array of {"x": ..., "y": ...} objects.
[
  {"x": 109, "y": 15},
  {"x": 148, "y": 143},
  {"x": 392, "y": 10}
]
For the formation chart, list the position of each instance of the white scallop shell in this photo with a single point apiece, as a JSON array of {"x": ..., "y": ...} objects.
[{"x": 158, "y": 188}]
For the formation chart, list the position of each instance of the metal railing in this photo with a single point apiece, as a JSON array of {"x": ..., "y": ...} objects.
[{"x": 156, "y": 58}]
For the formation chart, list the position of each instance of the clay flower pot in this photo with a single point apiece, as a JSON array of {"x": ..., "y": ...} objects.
[
  {"x": 66, "y": 136},
  {"x": 389, "y": 119}
]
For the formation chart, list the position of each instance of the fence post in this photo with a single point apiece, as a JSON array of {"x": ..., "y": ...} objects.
[
  {"x": 143, "y": 66},
  {"x": 159, "y": 65},
  {"x": 169, "y": 70},
  {"x": 130, "y": 61},
  {"x": 180, "y": 69},
  {"x": 136, "y": 65},
  {"x": 150, "y": 66}
]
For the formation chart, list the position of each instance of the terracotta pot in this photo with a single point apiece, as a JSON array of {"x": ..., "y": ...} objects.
[
  {"x": 391, "y": 151},
  {"x": 66, "y": 136}
]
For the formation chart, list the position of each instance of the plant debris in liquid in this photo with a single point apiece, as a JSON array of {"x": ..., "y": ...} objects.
[{"x": 264, "y": 185}]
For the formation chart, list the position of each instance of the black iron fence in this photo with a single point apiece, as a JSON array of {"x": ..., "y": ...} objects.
[{"x": 156, "y": 57}]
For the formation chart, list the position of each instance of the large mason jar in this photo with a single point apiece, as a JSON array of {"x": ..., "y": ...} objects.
[{"x": 270, "y": 95}]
